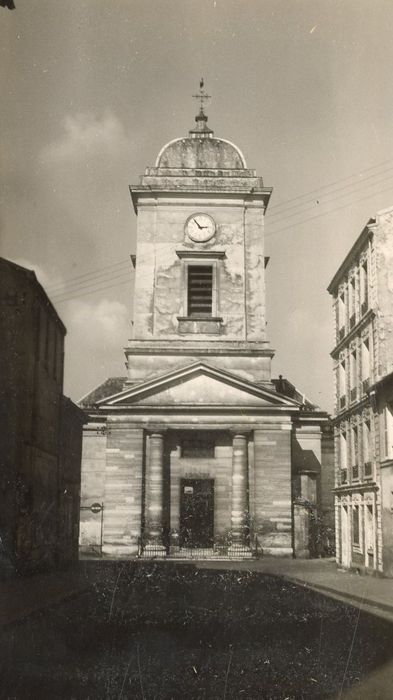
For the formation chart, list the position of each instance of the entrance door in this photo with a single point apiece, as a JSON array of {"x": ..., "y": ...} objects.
[
  {"x": 345, "y": 537},
  {"x": 369, "y": 536},
  {"x": 196, "y": 512}
]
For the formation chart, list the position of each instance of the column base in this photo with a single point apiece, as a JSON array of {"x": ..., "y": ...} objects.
[
  {"x": 239, "y": 551},
  {"x": 154, "y": 551},
  {"x": 277, "y": 551}
]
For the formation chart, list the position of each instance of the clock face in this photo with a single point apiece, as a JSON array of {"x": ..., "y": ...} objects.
[{"x": 200, "y": 227}]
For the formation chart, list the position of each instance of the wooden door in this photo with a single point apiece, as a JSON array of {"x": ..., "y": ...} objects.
[{"x": 196, "y": 512}]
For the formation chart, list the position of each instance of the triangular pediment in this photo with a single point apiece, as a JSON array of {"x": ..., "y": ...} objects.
[{"x": 198, "y": 385}]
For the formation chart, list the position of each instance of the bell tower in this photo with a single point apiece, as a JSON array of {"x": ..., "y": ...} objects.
[{"x": 200, "y": 264}]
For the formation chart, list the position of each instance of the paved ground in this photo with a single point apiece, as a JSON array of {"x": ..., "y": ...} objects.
[
  {"x": 146, "y": 630},
  {"x": 370, "y": 593}
]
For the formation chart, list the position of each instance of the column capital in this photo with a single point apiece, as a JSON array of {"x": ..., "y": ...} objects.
[
  {"x": 156, "y": 432},
  {"x": 240, "y": 432}
]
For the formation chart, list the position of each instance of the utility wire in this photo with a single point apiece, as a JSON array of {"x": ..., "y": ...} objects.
[
  {"x": 332, "y": 211},
  {"x": 343, "y": 206},
  {"x": 61, "y": 291},
  {"x": 318, "y": 189},
  {"x": 124, "y": 276},
  {"x": 330, "y": 201},
  {"x": 100, "y": 289},
  {"x": 321, "y": 196},
  {"x": 92, "y": 273},
  {"x": 106, "y": 277}
]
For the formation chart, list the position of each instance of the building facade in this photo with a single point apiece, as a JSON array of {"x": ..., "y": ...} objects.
[
  {"x": 197, "y": 452},
  {"x": 362, "y": 291},
  {"x": 41, "y": 430}
]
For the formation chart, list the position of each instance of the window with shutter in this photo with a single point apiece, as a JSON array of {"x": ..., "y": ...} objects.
[{"x": 200, "y": 290}]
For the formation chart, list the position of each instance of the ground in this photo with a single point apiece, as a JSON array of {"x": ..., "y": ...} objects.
[{"x": 160, "y": 631}]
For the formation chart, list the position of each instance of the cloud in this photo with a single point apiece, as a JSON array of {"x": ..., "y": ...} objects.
[
  {"x": 105, "y": 322},
  {"x": 45, "y": 278},
  {"x": 97, "y": 333},
  {"x": 86, "y": 135}
]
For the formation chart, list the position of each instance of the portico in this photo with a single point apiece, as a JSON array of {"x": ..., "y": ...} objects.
[{"x": 188, "y": 486}]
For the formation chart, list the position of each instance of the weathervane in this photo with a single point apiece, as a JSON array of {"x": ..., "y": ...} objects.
[{"x": 202, "y": 96}]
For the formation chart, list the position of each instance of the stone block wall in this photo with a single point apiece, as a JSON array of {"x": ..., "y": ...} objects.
[
  {"x": 159, "y": 283},
  {"x": 387, "y": 517},
  {"x": 123, "y": 488},
  {"x": 92, "y": 486},
  {"x": 272, "y": 488}
]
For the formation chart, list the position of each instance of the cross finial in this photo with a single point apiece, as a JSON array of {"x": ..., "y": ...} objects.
[{"x": 202, "y": 95}]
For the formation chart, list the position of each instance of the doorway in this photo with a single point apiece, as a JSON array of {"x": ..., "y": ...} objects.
[
  {"x": 196, "y": 513},
  {"x": 345, "y": 537},
  {"x": 369, "y": 536}
]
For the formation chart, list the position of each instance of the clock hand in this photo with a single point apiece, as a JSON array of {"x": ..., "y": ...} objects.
[{"x": 199, "y": 226}]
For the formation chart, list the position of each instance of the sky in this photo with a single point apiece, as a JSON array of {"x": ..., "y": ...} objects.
[{"x": 91, "y": 91}]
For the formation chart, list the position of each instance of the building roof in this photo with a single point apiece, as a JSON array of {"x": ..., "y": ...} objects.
[
  {"x": 118, "y": 386},
  {"x": 356, "y": 249},
  {"x": 198, "y": 151},
  {"x": 201, "y": 150},
  {"x": 285, "y": 387},
  {"x": 30, "y": 276},
  {"x": 110, "y": 386},
  {"x": 348, "y": 260}
]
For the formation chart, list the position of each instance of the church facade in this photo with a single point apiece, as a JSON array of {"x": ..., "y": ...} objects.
[{"x": 198, "y": 452}]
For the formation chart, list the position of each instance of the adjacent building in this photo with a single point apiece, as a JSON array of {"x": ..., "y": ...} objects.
[
  {"x": 197, "y": 452},
  {"x": 41, "y": 429},
  {"x": 362, "y": 291}
]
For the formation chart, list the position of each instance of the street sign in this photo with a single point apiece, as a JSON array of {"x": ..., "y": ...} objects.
[{"x": 96, "y": 507}]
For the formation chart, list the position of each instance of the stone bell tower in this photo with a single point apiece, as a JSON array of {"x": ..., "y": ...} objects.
[{"x": 200, "y": 265}]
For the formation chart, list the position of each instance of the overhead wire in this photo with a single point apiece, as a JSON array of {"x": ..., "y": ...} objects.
[
  {"x": 317, "y": 216},
  {"x": 92, "y": 273},
  {"x": 92, "y": 286},
  {"x": 92, "y": 291},
  {"x": 321, "y": 196},
  {"x": 327, "y": 186},
  {"x": 86, "y": 283},
  {"x": 102, "y": 271}
]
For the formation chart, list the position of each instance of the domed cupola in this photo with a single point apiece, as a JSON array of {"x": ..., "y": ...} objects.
[
  {"x": 201, "y": 149},
  {"x": 199, "y": 162}
]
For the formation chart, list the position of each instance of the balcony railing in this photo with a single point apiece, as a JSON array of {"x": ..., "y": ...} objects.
[
  {"x": 365, "y": 384},
  {"x": 368, "y": 470},
  {"x": 355, "y": 472},
  {"x": 352, "y": 321},
  {"x": 354, "y": 393},
  {"x": 343, "y": 401},
  {"x": 344, "y": 476},
  {"x": 364, "y": 307}
]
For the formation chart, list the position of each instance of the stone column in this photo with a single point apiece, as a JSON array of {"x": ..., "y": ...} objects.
[
  {"x": 239, "y": 505},
  {"x": 154, "y": 497}
]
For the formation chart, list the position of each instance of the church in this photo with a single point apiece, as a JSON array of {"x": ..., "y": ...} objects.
[{"x": 198, "y": 452}]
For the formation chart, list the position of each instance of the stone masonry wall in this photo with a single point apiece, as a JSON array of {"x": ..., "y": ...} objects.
[
  {"x": 159, "y": 284},
  {"x": 92, "y": 485},
  {"x": 272, "y": 488},
  {"x": 123, "y": 488}
]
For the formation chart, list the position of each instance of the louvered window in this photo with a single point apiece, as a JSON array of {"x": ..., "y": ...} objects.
[{"x": 200, "y": 290}]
